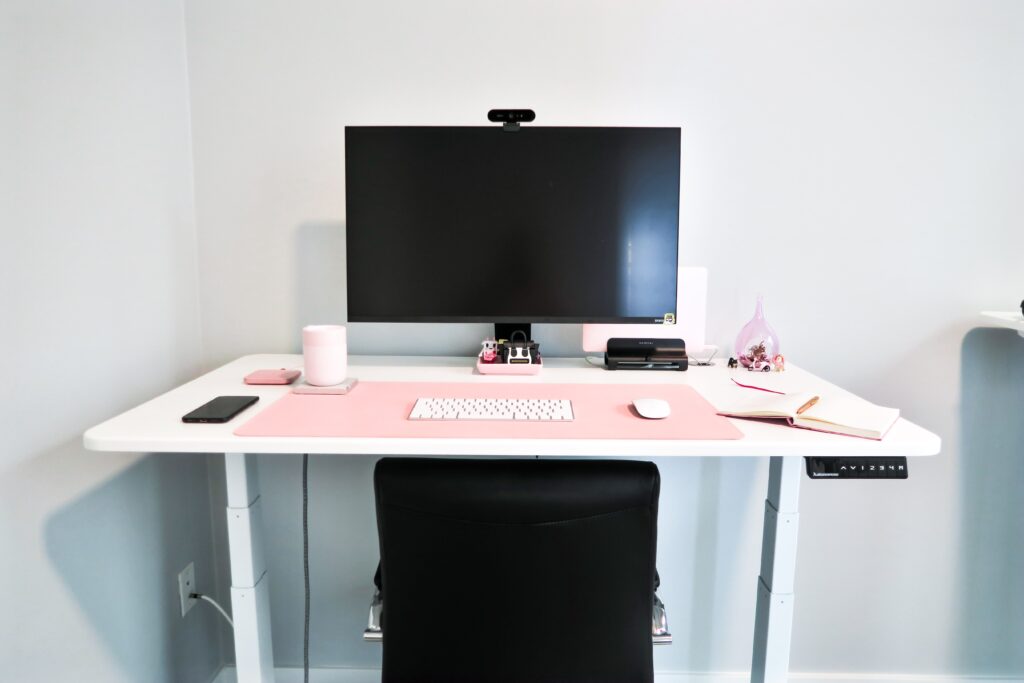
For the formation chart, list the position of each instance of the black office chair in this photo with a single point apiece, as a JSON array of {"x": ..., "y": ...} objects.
[{"x": 517, "y": 571}]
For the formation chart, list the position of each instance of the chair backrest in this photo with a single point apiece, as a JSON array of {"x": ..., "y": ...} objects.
[{"x": 516, "y": 571}]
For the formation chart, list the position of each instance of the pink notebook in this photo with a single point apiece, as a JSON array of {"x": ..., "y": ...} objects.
[{"x": 381, "y": 409}]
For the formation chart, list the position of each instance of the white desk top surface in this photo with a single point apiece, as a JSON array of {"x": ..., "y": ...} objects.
[{"x": 156, "y": 426}]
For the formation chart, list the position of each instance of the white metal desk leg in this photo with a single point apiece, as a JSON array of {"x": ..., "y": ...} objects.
[
  {"x": 773, "y": 622},
  {"x": 250, "y": 597}
]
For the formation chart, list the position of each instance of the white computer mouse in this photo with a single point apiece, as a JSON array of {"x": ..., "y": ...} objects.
[{"x": 652, "y": 408}]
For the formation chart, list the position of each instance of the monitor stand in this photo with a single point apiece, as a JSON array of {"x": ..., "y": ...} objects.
[{"x": 505, "y": 330}]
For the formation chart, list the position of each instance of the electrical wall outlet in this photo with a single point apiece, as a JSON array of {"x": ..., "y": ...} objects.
[{"x": 187, "y": 586}]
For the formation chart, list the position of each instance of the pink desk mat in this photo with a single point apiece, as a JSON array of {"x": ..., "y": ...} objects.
[{"x": 380, "y": 409}]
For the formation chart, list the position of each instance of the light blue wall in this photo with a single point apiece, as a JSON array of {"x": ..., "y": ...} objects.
[{"x": 99, "y": 311}]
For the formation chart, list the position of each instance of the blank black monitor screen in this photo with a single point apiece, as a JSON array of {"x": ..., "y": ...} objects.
[{"x": 460, "y": 224}]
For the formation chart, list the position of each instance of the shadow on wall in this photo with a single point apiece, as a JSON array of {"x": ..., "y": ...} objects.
[
  {"x": 320, "y": 299},
  {"x": 319, "y": 276},
  {"x": 992, "y": 488},
  {"x": 119, "y": 547}
]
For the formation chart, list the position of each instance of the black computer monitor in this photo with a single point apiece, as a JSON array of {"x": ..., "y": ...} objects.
[{"x": 482, "y": 224}]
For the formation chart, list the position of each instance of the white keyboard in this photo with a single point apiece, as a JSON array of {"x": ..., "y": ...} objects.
[{"x": 526, "y": 409}]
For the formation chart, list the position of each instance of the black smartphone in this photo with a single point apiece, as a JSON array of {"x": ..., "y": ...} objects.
[{"x": 220, "y": 409}]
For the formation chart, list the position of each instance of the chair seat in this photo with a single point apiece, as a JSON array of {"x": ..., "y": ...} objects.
[{"x": 374, "y": 631}]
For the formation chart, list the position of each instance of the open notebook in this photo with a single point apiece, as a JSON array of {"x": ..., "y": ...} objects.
[{"x": 834, "y": 413}]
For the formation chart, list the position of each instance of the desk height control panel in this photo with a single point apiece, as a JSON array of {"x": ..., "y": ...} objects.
[{"x": 857, "y": 468}]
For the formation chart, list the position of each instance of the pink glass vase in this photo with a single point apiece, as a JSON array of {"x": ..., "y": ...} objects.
[{"x": 757, "y": 345}]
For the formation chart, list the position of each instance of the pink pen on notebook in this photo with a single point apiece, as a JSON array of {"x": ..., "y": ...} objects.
[{"x": 751, "y": 386}]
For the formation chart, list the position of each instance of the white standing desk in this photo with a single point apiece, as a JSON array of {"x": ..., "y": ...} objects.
[{"x": 156, "y": 427}]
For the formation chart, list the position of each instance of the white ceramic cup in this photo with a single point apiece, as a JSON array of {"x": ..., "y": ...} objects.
[{"x": 325, "y": 354}]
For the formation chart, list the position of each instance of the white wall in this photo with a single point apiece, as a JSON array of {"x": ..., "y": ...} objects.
[
  {"x": 857, "y": 163},
  {"x": 100, "y": 311}
]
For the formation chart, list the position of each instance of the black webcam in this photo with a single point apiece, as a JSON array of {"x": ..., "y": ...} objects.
[{"x": 511, "y": 115}]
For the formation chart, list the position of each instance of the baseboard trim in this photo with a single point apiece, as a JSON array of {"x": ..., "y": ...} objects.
[{"x": 340, "y": 675}]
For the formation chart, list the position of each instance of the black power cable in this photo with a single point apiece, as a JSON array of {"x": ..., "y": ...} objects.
[{"x": 305, "y": 563}]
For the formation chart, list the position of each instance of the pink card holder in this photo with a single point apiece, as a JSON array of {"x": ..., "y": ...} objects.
[{"x": 280, "y": 376}]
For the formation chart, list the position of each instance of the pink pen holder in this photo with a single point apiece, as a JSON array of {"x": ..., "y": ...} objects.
[{"x": 325, "y": 353}]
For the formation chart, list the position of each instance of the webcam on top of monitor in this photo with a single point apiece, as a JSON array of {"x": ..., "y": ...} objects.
[{"x": 511, "y": 117}]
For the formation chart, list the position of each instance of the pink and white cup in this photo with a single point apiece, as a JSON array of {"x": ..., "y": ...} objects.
[{"x": 325, "y": 354}]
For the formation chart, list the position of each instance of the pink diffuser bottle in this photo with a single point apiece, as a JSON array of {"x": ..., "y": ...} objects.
[{"x": 757, "y": 345}]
